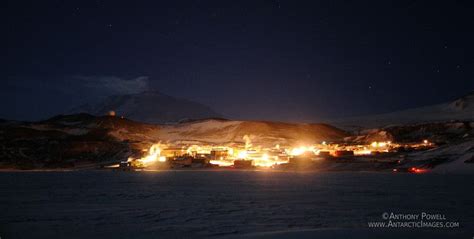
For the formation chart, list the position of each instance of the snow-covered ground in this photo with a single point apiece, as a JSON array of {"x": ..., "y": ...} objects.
[
  {"x": 458, "y": 154},
  {"x": 459, "y": 109},
  {"x": 227, "y": 204}
]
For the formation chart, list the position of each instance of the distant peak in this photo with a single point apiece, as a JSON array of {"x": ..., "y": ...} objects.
[{"x": 151, "y": 106}]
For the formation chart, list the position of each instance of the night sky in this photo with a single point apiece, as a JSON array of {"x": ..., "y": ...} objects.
[{"x": 274, "y": 60}]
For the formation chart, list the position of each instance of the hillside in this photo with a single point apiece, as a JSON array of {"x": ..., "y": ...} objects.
[
  {"x": 68, "y": 141},
  {"x": 259, "y": 132},
  {"x": 83, "y": 140},
  {"x": 87, "y": 141}
]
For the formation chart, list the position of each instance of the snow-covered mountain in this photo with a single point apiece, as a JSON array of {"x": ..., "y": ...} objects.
[
  {"x": 459, "y": 109},
  {"x": 149, "y": 107}
]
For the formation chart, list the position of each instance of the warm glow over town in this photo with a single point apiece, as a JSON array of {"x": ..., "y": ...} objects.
[{"x": 248, "y": 155}]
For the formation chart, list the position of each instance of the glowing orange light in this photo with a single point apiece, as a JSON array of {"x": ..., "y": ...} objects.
[{"x": 418, "y": 170}]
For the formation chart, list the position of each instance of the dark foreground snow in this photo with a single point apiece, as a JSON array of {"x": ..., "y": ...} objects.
[{"x": 233, "y": 204}]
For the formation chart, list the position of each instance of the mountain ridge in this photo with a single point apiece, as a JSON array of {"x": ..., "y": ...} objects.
[{"x": 461, "y": 108}]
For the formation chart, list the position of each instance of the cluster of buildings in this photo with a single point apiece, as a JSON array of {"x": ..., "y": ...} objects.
[{"x": 240, "y": 156}]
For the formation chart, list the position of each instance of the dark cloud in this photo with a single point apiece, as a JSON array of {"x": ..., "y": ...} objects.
[{"x": 113, "y": 85}]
